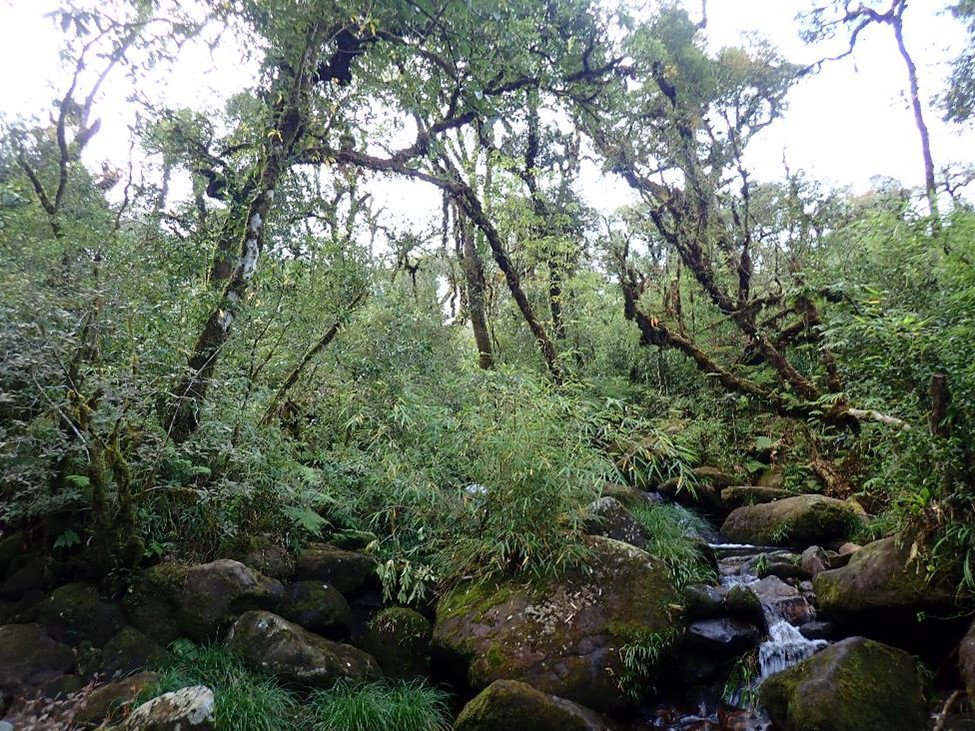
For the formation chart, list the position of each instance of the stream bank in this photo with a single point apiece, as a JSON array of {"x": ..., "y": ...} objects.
[{"x": 778, "y": 638}]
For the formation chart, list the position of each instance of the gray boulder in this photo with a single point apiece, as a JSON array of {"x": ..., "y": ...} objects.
[
  {"x": 187, "y": 709},
  {"x": 294, "y": 654},
  {"x": 607, "y": 517},
  {"x": 798, "y": 521},
  {"x": 347, "y": 571}
]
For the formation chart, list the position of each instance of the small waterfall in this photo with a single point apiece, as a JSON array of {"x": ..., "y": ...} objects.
[{"x": 785, "y": 645}]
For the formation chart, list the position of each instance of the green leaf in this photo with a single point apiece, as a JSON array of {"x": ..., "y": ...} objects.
[
  {"x": 306, "y": 518},
  {"x": 67, "y": 539}
]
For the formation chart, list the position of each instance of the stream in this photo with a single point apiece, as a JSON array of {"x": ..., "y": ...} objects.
[{"x": 784, "y": 608}]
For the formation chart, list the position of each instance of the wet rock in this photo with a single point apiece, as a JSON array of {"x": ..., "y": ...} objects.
[
  {"x": 318, "y": 607},
  {"x": 563, "y": 638},
  {"x": 783, "y": 600},
  {"x": 506, "y": 705},
  {"x": 740, "y": 495},
  {"x": 798, "y": 521},
  {"x": 399, "y": 639},
  {"x": 113, "y": 699},
  {"x": 607, "y": 517},
  {"x": 818, "y": 630},
  {"x": 294, "y": 654},
  {"x": 187, "y": 709},
  {"x": 743, "y": 603},
  {"x": 30, "y": 659},
  {"x": 725, "y": 635},
  {"x": 704, "y": 602},
  {"x": 198, "y": 602},
  {"x": 347, "y": 571},
  {"x": 75, "y": 612},
  {"x": 853, "y": 685},
  {"x": 815, "y": 560},
  {"x": 129, "y": 651},
  {"x": 785, "y": 566}
]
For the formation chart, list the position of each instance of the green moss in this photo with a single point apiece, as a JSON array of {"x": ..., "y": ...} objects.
[
  {"x": 853, "y": 685},
  {"x": 513, "y": 705},
  {"x": 473, "y": 599},
  {"x": 494, "y": 656}
]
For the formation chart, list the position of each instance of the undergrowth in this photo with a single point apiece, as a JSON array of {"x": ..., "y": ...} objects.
[
  {"x": 675, "y": 537},
  {"x": 250, "y": 700}
]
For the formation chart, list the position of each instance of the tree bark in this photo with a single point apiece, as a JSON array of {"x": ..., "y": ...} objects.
[
  {"x": 474, "y": 279},
  {"x": 930, "y": 184}
]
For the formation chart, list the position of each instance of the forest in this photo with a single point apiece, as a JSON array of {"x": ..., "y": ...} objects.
[{"x": 274, "y": 458}]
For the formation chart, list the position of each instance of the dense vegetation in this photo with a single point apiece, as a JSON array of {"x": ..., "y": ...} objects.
[{"x": 267, "y": 357}]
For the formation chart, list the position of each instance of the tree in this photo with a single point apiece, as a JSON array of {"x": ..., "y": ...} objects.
[
  {"x": 825, "y": 22},
  {"x": 678, "y": 140}
]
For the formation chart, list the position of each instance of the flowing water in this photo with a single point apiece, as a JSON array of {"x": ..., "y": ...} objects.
[{"x": 785, "y": 645}]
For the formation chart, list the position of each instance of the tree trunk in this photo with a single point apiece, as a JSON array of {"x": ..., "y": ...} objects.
[
  {"x": 474, "y": 279},
  {"x": 930, "y": 185},
  {"x": 280, "y": 142}
]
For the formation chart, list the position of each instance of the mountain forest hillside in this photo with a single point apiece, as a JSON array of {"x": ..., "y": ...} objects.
[{"x": 463, "y": 369}]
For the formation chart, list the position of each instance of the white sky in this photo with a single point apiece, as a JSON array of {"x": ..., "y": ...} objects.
[{"x": 849, "y": 123}]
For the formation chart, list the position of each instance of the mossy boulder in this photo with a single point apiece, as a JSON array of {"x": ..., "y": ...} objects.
[
  {"x": 880, "y": 577},
  {"x": 854, "y": 685},
  {"x": 740, "y": 495},
  {"x": 881, "y": 591},
  {"x": 295, "y": 655},
  {"x": 506, "y": 705},
  {"x": 30, "y": 658},
  {"x": 626, "y": 494},
  {"x": 269, "y": 558},
  {"x": 607, "y": 517},
  {"x": 318, "y": 607},
  {"x": 347, "y": 571},
  {"x": 798, "y": 521},
  {"x": 74, "y": 613},
  {"x": 110, "y": 701},
  {"x": 568, "y": 636},
  {"x": 129, "y": 651},
  {"x": 399, "y": 639},
  {"x": 197, "y": 602}
]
